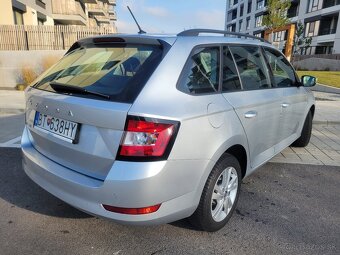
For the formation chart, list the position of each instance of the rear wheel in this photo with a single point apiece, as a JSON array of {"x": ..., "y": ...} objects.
[
  {"x": 306, "y": 132},
  {"x": 219, "y": 196}
]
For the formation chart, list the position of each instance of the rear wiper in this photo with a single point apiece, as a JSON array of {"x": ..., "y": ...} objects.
[{"x": 66, "y": 88}]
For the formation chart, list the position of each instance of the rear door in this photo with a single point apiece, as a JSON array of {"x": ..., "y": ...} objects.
[
  {"x": 294, "y": 98},
  {"x": 257, "y": 105}
]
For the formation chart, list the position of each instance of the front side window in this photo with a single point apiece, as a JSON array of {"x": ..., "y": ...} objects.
[
  {"x": 204, "y": 71},
  {"x": 251, "y": 66},
  {"x": 231, "y": 81},
  {"x": 283, "y": 73},
  {"x": 117, "y": 71}
]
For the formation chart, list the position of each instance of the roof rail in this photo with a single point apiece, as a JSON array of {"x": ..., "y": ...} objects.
[{"x": 196, "y": 32}]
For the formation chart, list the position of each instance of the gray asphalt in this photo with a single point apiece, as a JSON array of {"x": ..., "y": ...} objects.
[
  {"x": 11, "y": 126},
  {"x": 283, "y": 209}
]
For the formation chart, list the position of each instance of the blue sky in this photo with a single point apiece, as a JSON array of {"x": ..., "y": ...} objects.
[{"x": 171, "y": 16}]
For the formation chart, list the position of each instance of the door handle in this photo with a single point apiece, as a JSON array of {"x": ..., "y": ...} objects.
[
  {"x": 284, "y": 105},
  {"x": 250, "y": 114}
]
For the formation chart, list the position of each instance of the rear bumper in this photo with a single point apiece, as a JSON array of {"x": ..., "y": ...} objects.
[{"x": 176, "y": 185}]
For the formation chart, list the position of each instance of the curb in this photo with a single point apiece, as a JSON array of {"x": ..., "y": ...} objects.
[
  {"x": 11, "y": 111},
  {"x": 326, "y": 122}
]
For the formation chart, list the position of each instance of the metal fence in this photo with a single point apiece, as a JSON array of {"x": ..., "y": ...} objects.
[{"x": 26, "y": 37}]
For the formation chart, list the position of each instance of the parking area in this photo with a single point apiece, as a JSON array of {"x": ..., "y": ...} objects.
[{"x": 283, "y": 209}]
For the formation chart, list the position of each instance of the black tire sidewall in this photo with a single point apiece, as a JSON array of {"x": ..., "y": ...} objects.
[{"x": 209, "y": 223}]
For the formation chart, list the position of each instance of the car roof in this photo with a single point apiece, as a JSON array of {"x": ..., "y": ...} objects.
[{"x": 193, "y": 36}]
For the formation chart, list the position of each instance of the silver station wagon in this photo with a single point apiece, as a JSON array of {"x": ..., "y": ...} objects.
[{"x": 146, "y": 129}]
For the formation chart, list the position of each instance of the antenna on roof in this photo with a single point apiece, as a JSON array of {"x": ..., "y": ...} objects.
[{"x": 141, "y": 31}]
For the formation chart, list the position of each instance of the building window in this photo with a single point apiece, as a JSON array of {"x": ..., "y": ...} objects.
[
  {"x": 18, "y": 17},
  {"x": 314, "y": 5},
  {"x": 232, "y": 15},
  {"x": 240, "y": 25},
  {"x": 312, "y": 28},
  {"x": 41, "y": 22},
  {"x": 258, "y": 21},
  {"x": 249, "y": 6},
  {"x": 248, "y": 23},
  {"x": 241, "y": 10},
  {"x": 232, "y": 2},
  {"x": 259, "y": 4},
  {"x": 279, "y": 36},
  {"x": 330, "y": 3}
]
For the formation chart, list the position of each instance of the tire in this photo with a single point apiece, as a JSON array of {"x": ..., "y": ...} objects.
[
  {"x": 306, "y": 133},
  {"x": 213, "y": 213}
]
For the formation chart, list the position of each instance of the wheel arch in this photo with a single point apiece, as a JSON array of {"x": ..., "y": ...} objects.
[
  {"x": 312, "y": 109},
  {"x": 240, "y": 153}
]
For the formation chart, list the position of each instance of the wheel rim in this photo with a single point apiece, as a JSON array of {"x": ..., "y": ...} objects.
[{"x": 224, "y": 194}]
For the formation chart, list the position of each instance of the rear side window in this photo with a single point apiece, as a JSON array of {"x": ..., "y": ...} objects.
[
  {"x": 119, "y": 70},
  {"x": 204, "y": 71},
  {"x": 251, "y": 66},
  {"x": 231, "y": 81},
  {"x": 283, "y": 73}
]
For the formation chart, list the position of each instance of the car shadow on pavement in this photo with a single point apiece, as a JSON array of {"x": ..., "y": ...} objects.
[{"x": 19, "y": 191}]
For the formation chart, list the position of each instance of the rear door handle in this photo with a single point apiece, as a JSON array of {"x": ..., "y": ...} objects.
[
  {"x": 250, "y": 114},
  {"x": 284, "y": 105}
]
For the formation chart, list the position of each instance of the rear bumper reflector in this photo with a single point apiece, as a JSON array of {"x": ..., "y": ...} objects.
[{"x": 133, "y": 211}]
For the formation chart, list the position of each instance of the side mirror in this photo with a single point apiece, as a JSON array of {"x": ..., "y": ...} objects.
[{"x": 308, "y": 81}]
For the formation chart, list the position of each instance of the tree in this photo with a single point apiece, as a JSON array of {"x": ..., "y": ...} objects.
[
  {"x": 277, "y": 15},
  {"x": 300, "y": 41}
]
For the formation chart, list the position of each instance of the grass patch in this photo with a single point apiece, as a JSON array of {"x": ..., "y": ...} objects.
[{"x": 330, "y": 78}]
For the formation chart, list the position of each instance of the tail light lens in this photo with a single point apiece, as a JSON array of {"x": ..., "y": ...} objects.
[{"x": 147, "y": 139}]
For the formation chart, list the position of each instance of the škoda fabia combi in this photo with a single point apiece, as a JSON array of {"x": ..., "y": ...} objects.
[{"x": 146, "y": 129}]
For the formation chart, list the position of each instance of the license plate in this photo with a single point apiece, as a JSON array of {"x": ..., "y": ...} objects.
[{"x": 57, "y": 127}]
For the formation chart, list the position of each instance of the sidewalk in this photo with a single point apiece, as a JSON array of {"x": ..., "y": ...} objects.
[{"x": 12, "y": 102}]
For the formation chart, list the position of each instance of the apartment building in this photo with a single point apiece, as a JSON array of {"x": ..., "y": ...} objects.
[
  {"x": 58, "y": 12},
  {"x": 320, "y": 18}
]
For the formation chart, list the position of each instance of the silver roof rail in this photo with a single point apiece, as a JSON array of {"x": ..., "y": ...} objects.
[{"x": 196, "y": 32}]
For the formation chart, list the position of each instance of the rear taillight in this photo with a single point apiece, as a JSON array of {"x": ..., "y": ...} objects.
[{"x": 147, "y": 139}]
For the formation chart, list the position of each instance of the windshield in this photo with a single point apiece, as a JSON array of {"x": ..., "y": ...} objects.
[{"x": 119, "y": 71}]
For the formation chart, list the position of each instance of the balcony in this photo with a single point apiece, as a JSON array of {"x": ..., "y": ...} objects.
[
  {"x": 68, "y": 12},
  {"x": 101, "y": 19},
  {"x": 112, "y": 15},
  {"x": 97, "y": 9},
  {"x": 112, "y": 2},
  {"x": 89, "y": 1}
]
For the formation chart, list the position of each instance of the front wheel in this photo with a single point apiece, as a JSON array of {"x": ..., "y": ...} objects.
[{"x": 219, "y": 196}]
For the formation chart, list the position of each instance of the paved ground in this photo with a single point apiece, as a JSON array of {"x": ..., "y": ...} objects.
[
  {"x": 283, "y": 209},
  {"x": 323, "y": 149}
]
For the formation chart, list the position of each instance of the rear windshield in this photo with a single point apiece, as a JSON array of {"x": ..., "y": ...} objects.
[{"x": 116, "y": 71}]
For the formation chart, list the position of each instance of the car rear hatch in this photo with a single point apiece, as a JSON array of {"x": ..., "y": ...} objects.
[{"x": 76, "y": 111}]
